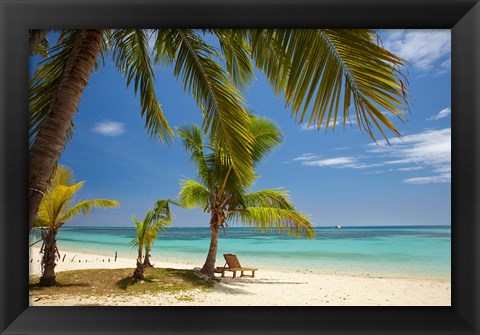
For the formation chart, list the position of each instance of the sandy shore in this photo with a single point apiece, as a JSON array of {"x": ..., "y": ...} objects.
[{"x": 269, "y": 288}]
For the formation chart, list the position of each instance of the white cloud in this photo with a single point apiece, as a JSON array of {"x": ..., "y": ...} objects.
[
  {"x": 350, "y": 122},
  {"x": 336, "y": 161},
  {"x": 340, "y": 162},
  {"x": 305, "y": 157},
  {"x": 422, "y": 48},
  {"x": 446, "y": 64},
  {"x": 375, "y": 172},
  {"x": 429, "y": 151},
  {"x": 440, "y": 115},
  {"x": 109, "y": 128},
  {"x": 430, "y": 148},
  {"x": 443, "y": 178},
  {"x": 412, "y": 168}
]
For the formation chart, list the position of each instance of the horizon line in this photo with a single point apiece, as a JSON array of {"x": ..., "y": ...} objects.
[{"x": 323, "y": 226}]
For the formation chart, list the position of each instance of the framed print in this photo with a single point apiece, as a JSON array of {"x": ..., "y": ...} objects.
[{"x": 363, "y": 232}]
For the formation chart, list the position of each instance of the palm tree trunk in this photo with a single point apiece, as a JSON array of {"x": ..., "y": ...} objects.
[
  {"x": 138, "y": 273},
  {"x": 209, "y": 266},
  {"x": 50, "y": 140},
  {"x": 146, "y": 262},
  {"x": 49, "y": 254}
]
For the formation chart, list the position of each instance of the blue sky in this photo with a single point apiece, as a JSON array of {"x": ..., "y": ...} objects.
[{"x": 339, "y": 178}]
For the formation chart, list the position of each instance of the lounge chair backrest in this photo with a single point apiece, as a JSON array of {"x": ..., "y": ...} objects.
[{"x": 232, "y": 261}]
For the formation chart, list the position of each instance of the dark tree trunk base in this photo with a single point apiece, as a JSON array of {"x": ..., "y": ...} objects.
[
  {"x": 208, "y": 272},
  {"x": 50, "y": 251},
  {"x": 47, "y": 281},
  {"x": 146, "y": 263},
  {"x": 138, "y": 273}
]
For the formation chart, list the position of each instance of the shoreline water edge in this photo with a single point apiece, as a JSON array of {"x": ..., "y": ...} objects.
[{"x": 271, "y": 287}]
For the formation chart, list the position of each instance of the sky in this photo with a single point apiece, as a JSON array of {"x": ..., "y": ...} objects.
[{"x": 338, "y": 178}]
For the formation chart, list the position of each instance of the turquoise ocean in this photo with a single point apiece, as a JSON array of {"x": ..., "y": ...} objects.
[{"x": 390, "y": 251}]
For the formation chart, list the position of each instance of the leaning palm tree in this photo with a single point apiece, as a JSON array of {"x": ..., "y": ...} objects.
[
  {"x": 155, "y": 221},
  {"x": 221, "y": 193},
  {"x": 56, "y": 88},
  {"x": 321, "y": 73},
  {"x": 57, "y": 208}
]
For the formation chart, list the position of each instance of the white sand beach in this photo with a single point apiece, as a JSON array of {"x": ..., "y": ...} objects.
[{"x": 268, "y": 288}]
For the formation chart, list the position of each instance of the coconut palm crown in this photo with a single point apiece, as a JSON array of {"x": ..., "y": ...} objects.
[
  {"x": 221, "y": 193},
  {"x": 58, "y": 206}
]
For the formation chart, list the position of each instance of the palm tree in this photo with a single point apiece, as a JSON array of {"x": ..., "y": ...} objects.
[
  {"x": 56, "y": 88},
  {"x": 320, "y": 72},
  {"x": 220, "y": 192},
  {"x": 58, "y": 207},
  {"x": 155, "y": 221}
]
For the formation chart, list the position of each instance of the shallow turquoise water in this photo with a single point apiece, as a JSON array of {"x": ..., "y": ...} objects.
[{"x": 414, "y": 251}]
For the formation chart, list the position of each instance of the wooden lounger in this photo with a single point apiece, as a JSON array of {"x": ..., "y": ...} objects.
[{"x": 232, "y": 264}]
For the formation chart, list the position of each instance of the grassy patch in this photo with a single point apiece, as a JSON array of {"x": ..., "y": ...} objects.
[{"x": 104, "y": 282}]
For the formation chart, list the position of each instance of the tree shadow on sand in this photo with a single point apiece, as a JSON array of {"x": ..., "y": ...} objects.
[
  {"x": 235, "y": 286},
  {"x": 38, "y": 287},
  {"x": 124, "y": 283},
  {"x": 168, "y": 278}
]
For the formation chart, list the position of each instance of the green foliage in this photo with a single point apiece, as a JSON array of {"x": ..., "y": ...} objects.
[
  {"x": 236, "y": 51},
  {"x": 155, "y": 221},
  {"x": 222, "y": 105},
  {"x": 42, "y": 48},
  {"x": 220, "y": 191},
  {"x": 325, "y": 76},
  {"x": 118, "y": 282},
  {"x": 58, "y": 204},
  {"x": 129, "y": 48},
  {"x": 322, "y": 73}
]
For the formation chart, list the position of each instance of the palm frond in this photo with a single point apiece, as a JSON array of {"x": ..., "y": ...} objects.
[
  {"x": 193, "y": 194},
  {"x": 236, "y": 52},
  {"x": 282, "y": 220},
  {"x": 38, "y": 42},
  {"x": 222, "y": 105},
  {"x": 129, "y": 48},
  {"x": 164, "y": 47},
  {"x": 42, "y": 48},
  {"x": 192, "y": 139},
  {"x": 158, "y": 227},
  {"x": 331, "y": 70},
  {"x": 86, "y": 206},
  {"x": 269, "y": 56},
  {"x": 273, "y": 197},
  {"x": 40, "y": 221},
  {"x": 161, "y": 211},
  {"x": 62, "y": 175},
  {"x": 56, "y": 203},
  {"x": 134, "y": 244},
  {"x": 266, "y": 136},
  {"x": 139, "y": 239}
]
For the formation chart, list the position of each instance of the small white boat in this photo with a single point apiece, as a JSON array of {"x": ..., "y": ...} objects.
[{"x": 338, "y": 227}]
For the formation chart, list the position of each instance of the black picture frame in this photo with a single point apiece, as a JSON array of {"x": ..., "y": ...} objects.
[{"x": 17, "y": 16}]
